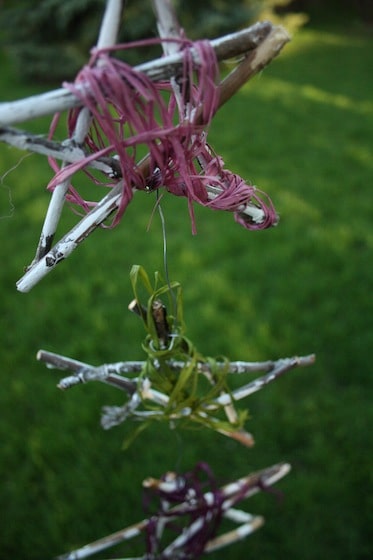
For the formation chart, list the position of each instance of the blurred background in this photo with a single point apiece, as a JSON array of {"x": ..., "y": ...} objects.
[{"x": 302, "y": 132}]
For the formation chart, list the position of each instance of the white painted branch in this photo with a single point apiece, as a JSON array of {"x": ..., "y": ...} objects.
[
  {"x": 160, "y": 69},
  {"x": 168, "y": 27},
  {"x": 240, "y": 489},
  {"x": 274, "y": 367},
  {"x": 57, "y": 200},
  {"x": 280, "y": 367},
  {"x": 106, "y": 542},
  {"x": 110, "y": 24},
  {"x": 66, "y": 151},
  {"x": 71, "y": 153},
  {"x": 84, "y": 372},
  {"x": 57, "y": 361},
  {"x": 230, "y": 537},
  {"x": 72, "y": 239},
  {"x": 167, "y": 24},
  {"x": 107, "y": 37}
]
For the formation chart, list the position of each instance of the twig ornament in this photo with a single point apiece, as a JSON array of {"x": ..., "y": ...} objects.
[
  {"x": 117, "y": 112},
  {"x": 192, "y": 507},
  {"x": 175, "y": 383}
]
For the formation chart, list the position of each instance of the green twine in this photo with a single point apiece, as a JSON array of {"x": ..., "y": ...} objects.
[{"x": 185, "y": 387}]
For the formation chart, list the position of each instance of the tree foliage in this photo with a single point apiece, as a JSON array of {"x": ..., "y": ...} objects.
[{"x": 50, "y": 40}]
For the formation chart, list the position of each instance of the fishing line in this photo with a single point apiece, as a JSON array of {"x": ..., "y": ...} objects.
[
  {"x": 180, "y": 451},
  {"x": 7, "y": 188},
  {"x": 165, "y": 255}
]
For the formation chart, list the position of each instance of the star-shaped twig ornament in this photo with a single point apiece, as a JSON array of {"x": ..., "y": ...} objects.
[
  {"x": 192, "y": 507},
  {"x": 166, "y": 106},
  {"x": 175, "y": 383}
]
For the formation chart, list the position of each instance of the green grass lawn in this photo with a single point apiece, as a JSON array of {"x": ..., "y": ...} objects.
[{"x": 302, "y": 131}]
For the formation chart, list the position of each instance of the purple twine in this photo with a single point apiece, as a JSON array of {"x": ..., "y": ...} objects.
[
  {"x": 178, "y": 508},
  {"x": 132, "y": 116},
  {"x": 189, "y": 492}
]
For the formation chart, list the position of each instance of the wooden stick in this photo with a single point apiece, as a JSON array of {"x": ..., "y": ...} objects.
[
  {"x": 84, "y": 372},
  {"x": 106, "y": 542},
  {"x": 66, "y": 151},
  {"x": 169, "y": 27},
  {"x": 274, "y": 367},
  {"x": 90, "y": 222},
  {"x": 160, "y": 69},
  {"x": 72, "y": 239},
  {"x": 107, "y": 38},
  {"x": 108, "y": 165},
  {"x": 253, "y": 523},
  {"x": 253, "y": 62},
  {"x": 57, "y": 201},
  {"x": 136, "y": 366},
  {"x": 281, "y": 366}
]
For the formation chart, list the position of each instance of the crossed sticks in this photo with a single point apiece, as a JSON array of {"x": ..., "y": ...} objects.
[
  {"x": 256, "y": 45},
  {"x": 142, "y": 395},
  {"x": 196, "y": 515}
]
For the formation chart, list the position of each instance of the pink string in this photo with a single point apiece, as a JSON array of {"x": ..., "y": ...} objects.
[{"x": 132, "y": 116}]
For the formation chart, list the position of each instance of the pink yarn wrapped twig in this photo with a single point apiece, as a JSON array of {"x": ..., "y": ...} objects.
[{"x": 131, "y": 113}]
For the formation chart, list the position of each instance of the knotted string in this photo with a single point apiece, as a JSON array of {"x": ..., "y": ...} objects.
[{"x": 132, "y": 116}]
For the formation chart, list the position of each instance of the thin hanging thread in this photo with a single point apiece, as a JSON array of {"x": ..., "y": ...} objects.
[
  {"x": 7, "y": 188},
  {"x": 165, "y": 257}
]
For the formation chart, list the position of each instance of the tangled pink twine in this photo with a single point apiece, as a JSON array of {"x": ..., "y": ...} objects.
[{"x": 132, "y": 116}]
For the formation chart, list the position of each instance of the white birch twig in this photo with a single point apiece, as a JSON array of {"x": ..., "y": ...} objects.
[
  {"x": 72, "y": 239},
  {"x": 66, "y": 150},
  {"x": 57, "y": 200},
  {"x": 89, "y": 223},
  {"x": 107, "y": 37},
  {"x": 274, "y": 367},
  {"x": 280, "y": 366},
  {"x": 160, "y": 69},
  {"x": 168, "y": 27},
  {"x": 82, "y": 372}
]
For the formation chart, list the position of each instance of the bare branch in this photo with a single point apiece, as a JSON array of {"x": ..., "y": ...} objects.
[
  {"x": 107, "y": 37},
  {"x": 164, "y": 68}
]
